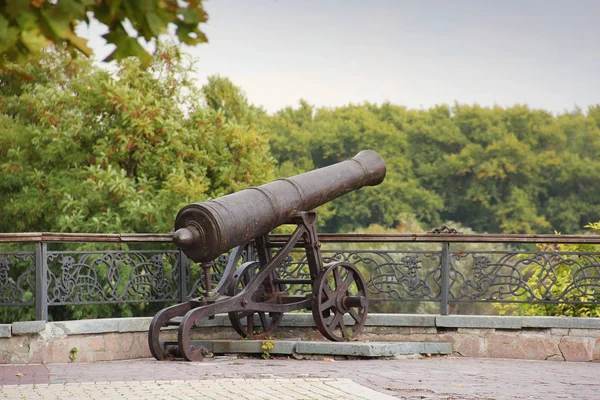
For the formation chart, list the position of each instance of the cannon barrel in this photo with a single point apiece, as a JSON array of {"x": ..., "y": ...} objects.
[{"x": 207, "y": 229}]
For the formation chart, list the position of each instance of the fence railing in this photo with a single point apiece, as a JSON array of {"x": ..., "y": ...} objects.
[{"x": 442, "y": 272}]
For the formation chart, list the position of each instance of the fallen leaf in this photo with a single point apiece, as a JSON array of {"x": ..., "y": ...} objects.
[
  {"x": 19, "y": 374},
  {"x": 328, "y": 359},
  {"x": 459, "y": 385}
]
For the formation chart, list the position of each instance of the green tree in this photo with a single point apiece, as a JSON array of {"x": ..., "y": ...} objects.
[
  {"x": 223, "y": 96},
  {"x": 28, "y": 26},
  {"x": 306, "y": 138},
  {"x": 84, "y": 151}
]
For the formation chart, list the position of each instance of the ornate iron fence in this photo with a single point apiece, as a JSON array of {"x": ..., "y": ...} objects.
[{"x": 443, "y": 268}]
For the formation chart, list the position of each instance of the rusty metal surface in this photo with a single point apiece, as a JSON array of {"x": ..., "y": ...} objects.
[
  {"x": 258, "y": 296},
  {"x": 205, "y": 230},
  {"x": 53, "y": 237}
]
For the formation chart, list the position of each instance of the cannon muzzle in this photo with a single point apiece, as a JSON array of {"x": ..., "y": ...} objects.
[{"x": 206, "y": 230}]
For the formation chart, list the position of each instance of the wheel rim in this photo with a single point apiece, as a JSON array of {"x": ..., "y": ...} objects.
[
  {"x": 249, "y": 323},
  {"x": 339, "y": 289}
]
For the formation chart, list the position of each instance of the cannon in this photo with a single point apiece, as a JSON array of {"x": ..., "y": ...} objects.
[{"x": 253, "y": 293}]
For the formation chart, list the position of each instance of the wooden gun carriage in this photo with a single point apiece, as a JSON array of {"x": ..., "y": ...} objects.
[{"x": 253, "y": 294}]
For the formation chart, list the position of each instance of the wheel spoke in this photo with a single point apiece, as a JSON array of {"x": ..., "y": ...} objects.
[
  {"x": 354, "y": 314},
  {"x": 267, "y": 322},
  {"x": 337, "y": 280},
  {"x": 327, "y": 304},
  {"x": 250, "y": 322},
  {"x": 342, "y": 326},
  {"x": 336, "y": 277},
  {"x": 346, "y": 285},
  {"x": 335, "y": 321},
  {"x": 245, "y": 314},
  {"x": 263, "y": 321}
]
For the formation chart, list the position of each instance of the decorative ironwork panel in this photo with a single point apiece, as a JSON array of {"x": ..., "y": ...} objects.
[
  {"x": 390, "y": 274},
  {"x": 17, "y": 278},
  {"x": 533, "y": 277},
  {"x": 413, "y": 276},
  {"x": 78, "y": 277}
]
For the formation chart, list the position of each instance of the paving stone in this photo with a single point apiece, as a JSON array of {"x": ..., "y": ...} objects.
[
  {"x": 246, "y": 346},
  {"x": 27, "y": 327},
  {"x": 5, "y": 331},
  {"x": 380, "y": 349},
  {"x": 432, "y": 378}
]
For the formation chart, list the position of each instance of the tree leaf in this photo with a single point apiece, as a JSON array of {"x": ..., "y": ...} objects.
[
  {"x": 9, "y": 35},
  {"x": 126, "y": 47},
  {"x": 34, "y": 40}
]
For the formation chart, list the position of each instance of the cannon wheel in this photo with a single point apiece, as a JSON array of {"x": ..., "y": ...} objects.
[
  {"x": 339, "y": 289},
  {"x": 249, "y": 323}
]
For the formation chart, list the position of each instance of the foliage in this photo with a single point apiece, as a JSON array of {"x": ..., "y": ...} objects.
[
  {"x": 26, "y": 27},
  {"x": 558, "y": 283},
  {"x": 494, "y": 169},
  {"x": 84, "y": 151},
  {"x": 223, "y": 96},
  {"x": 267, "y": 346}
]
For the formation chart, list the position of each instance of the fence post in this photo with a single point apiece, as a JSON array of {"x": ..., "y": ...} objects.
[
  {"x": 445, "y": 283},
  {"x": 183, "y": 264},
  {"x": 41, "y": 282}
]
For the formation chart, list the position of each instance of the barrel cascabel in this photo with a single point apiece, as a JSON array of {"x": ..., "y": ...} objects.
[{"x": 206, "y": 230}]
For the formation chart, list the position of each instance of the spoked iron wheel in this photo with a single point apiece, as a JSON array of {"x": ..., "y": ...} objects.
[
  {"x": 339, "y": 289},
  {"x": 250, "y": 323}
]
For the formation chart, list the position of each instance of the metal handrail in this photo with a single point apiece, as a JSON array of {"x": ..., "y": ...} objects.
[{"x": 323, "y": 237}]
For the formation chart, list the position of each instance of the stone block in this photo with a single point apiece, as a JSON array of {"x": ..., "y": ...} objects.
[
  {"x": 87, "y": 326},
  {"x": 28, "y": 327},
  {"x": 438, "y": 348},
  {"x": 409, "y": 320},
  {"x": 596, "y": 351},
  {"x": 577, "y": 348},
  {"x": 245, "y": 346},
  {"x": 475, "y": 331},
  {"x": 559, "y": 332},
  {"x": 561, "y": 322},
  {"x": 219, "y": 320},
  {"x": 380, "y": 349},
  {"x": 5, "y": 331},
  {"x": 592, "y": 333},
  {"x": 465, "y": 345},
  {"x": 478, "y": 321},
  {"x": 126, "y": 342},
  {"x": 139, "y": 324},
  {"x": 297, "y": 319},
  {"x": 112, "y": 344},
  {"x": 95, "y": 343},
  {"x": 60, "y": 351},
  {"x": 521, "y": 346},
  {"x": 41, "y": 352}
]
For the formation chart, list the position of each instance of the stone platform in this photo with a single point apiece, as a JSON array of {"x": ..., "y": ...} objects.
[
  {"x": 300, "y": 349},
  {"x": 534, "y": 338}
]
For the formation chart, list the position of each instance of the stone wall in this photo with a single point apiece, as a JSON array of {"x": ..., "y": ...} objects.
[{"x": 535, "y": 338}]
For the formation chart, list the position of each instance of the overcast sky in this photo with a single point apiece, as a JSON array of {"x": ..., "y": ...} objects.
[{"x": 545, "y": 53}]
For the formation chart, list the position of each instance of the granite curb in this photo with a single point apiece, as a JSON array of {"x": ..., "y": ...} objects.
[{"x": 292, "y": 320}]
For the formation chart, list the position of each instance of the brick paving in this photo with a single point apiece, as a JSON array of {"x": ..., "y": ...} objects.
[{"x": 253, "y": 378}]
